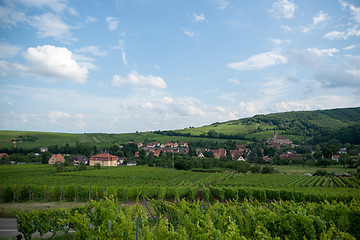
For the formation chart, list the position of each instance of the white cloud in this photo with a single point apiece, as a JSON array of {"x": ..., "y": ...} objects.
[
  {"x": 90, "y": 19},
  {"x": 249, "y": 108},
  {"x": 122, "y": 48},
  {"x": 73, "y": 11},
  {"x": 93, "y": 50},
  {"x": 338, "y": 78},
  {"x": 279, "y": 41},
  {"x": 56, "y": 5},
  {"x": 55, "y": 62},
  {"x": 259, "y": 61},
  {"x": 312, "y": 57},
  {"x": 187, "y": 106},
  {"x": 54, "y": 115},
  {"x": 234, "y": 81},
  {"x": 144, "y": 112},
  {"x": 322, "y": 52},
  {"x": 123, "y": 54},
  {"x": 283, "y": 9},
  {"x": 320, "y": 17},
  {"x": 305, "y": 29},
  {"x": 199, "y": 17},
  {"x": 286, "y": 28},
  {"x": 112, "y": 23},
  {"x": 350, "y": 47},
  {"x": 137, "y": 80},
  {"x": 355, "y": 11},
  {"x": 25, "y": 117},
  {"x": 188, "y": 33},
  {"x": 50, "y": 25},
  {"x": 354, "y": 30},
  {"x": 8, "y": 50},
  {"x": 10, "y": 17},
  {"x": 13, "y": 68},
  {"x": 335, "y": 35},
  {"x": 10, "y": 104},
  {"x": 314, "y": 103},
  {"x": 222, "y": 4},
  {"x": 228, "y": 96},
  {"x": 79, "y": 116}
]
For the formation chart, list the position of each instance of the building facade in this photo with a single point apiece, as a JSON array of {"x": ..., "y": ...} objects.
[
  {"x": 104, "y": 159},
  {"x": 56, "y": 158}
]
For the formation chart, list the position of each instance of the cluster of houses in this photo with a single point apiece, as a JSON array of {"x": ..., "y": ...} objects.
[
  {"x": 183, "y": 148},
  {"x": 236, "y": 154},
  {"x": 278, "y": 141},
  {"x": 156, "y": 148},
  {"x": 102, "y": 159}
]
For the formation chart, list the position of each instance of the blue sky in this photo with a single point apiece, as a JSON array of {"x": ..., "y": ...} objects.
[{"x": 121, "y": 66}]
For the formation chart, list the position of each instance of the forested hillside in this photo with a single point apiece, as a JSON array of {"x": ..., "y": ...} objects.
[{"x": 342, "y": 124}]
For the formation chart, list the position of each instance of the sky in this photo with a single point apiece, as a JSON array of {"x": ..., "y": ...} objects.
[{"x": 121, "y": 66}]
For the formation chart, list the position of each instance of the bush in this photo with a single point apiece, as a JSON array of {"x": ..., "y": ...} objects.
[
  {"x": 255, "y": 169},
  {"x": 267, "y": 170},
  {"x": 320, "y": 172},
  {"x": 8, "y": 194},
  {"x": 97, "y": 166}
]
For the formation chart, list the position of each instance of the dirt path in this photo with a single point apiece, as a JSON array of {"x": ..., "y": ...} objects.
[{"x": 96, "y": 140}]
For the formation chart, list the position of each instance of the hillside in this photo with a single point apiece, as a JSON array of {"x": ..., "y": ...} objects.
[
  {"x": 298, "y": 126},
  {"x": 301, "y": 125}
]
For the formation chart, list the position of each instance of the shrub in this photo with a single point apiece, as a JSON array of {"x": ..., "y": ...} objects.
[
  {"x": 255, "y": 169},
  {"x": 267, "y": 170},
  {"x": 320, "y": 172}
]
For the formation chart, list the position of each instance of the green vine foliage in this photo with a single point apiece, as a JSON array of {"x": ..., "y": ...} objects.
[{"x": 183, "y": 219}]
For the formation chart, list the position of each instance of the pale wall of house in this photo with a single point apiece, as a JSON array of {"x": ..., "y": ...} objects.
[
  {"x": 108, "y": 163},
  {"x": 53, "y": 160}
]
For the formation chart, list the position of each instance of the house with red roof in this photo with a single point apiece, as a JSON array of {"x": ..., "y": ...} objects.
[
  {"x": 219, "y": 153},
  {"x": 184, "y": 145},
  {"x": 56, "y": 158},
  {"x": 104, "y": 159},
  {"x": 3, "y": 155}
]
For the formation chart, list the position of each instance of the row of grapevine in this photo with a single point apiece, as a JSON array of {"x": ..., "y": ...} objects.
[
  {"x": 82, "y": 193},
  {"x": 40, "y": 175},
  {"x": 266, "y": 194},
  {"x": 199, "y": 220},
  {"x": 297, "y": 180}
]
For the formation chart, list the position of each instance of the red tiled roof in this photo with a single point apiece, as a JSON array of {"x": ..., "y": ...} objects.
[
  {"x": 104, "y": 156},
  {"x": 58, "y": 157}
]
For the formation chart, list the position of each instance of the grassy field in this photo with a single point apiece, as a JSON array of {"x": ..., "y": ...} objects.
[
  {"x": 101, "y": 140},
  {"x": 297, "y": 169},
  {"x": 225, "y": 128}
]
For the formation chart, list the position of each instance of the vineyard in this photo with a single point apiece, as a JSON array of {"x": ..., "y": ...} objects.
[
  {"x": 182, "y": 219},
  {"x": 199, "y": 205},
  {"x": 43, "y": 183}
]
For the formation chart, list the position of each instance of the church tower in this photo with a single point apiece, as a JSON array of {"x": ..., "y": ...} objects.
[{"x": 274, "y": 139}]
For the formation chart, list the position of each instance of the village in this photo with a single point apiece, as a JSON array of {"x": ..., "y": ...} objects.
[{"x": 156, "y": 149}]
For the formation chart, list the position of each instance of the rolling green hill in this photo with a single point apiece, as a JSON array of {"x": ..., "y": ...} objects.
[{"x": 298, "y": 126}]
